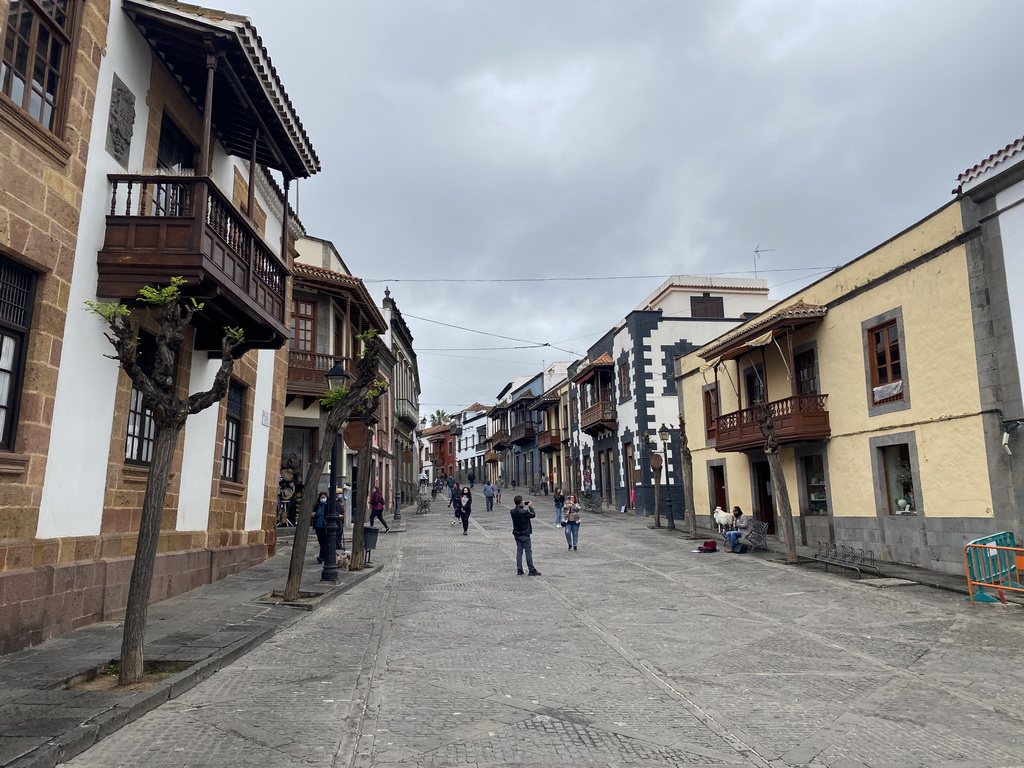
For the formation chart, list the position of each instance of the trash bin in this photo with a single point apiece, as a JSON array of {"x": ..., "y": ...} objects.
[{"x": 369, "y": 540}]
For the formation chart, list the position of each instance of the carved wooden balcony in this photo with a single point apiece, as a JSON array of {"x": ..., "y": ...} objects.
[
  {"x": 549, "y": 441},
  {"x": 598, "y": 417},
  {"x": 523, "y": 433},
  {"x": 499, "y": 440},
  {"x": 307, "y": 373},
  {"x": 797, "y": 419},
  {"x": 162, "y": 226}
]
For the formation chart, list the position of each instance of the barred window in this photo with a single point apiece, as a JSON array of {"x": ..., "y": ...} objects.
[
  {"x": 17, "y": 291},
  {"x": 138, "y": 447},
  {"x": 232, "y": 432},
  {"x": 37, "y": 56}
]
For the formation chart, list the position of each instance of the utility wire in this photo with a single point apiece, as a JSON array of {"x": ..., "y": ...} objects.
[{"x": 568, "y": 279}]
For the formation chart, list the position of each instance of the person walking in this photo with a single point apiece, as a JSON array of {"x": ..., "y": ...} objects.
[
  {"x": 377, "y": 509},
  {"x": 559, "y": 503},
  {"x": 497, "y": 494},
  {"x": 740, "y": 523},
  {"x": 522, "y": 529},
  {"x": 456, "y": 501},
  {"x": 472, "y": 479},
  {"x": 489, "y": 495},
  {"x": 465, "y": 508},
  {"x": 319, "y": 521},
  {"x": 571, "y": 522}
]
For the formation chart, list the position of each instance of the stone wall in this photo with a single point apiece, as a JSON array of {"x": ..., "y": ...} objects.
[{"x": 40, "y": 603}]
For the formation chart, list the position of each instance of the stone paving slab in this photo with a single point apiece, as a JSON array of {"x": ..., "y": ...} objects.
[
  {"x": 42, "y": 724},
  {"x": 632, "y": 651}
]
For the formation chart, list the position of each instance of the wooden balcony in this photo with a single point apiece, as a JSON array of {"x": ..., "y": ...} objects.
[
  {"x": 549, "y": 441},
  {"x": 307, "y": 373},
  {"x": 523, "y": 433},
  {"x": 162, "y": 226},
  {"x": 499, "y": 440},
  {"x": 796, "y": 419},
  {"x": 597, "y": 417}
]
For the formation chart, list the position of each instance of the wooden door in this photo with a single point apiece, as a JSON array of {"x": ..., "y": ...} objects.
[{"x": 765, "y": 503}]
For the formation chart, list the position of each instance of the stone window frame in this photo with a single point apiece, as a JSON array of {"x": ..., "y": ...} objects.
[
  {"x": 140, "y": 426},
  {"x": 867, "y": 326},
  {"x": 878, "y": 477},
  {"x": 231, "y": 445},
  {"x": 63, "y": 35},
  {"x": 15, "y": 326}
]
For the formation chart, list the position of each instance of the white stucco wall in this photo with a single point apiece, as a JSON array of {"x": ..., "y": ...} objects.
[
  {"x": 199, "y": 451},
  {"x": 262, "y": 406},
  {"x": 73, "y": 490}
]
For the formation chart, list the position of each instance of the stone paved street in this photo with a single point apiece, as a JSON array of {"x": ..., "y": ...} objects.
[{"x": 631, "y": 651}]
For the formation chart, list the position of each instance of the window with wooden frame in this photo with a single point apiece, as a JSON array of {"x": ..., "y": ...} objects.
[
  {"x": 303, "y": 325},
  {"x": 753, "y": 384},
  {"x": 231, "y": 453},
  {"x": 886, "y": 367},
  {"x": 138, "y": 448},
  {"x": 707, "y": 306},
  {"x": 711, "y": 411},
  {"x": 806, "y": 373},
  {"x": 36, "y": 64},
  {"x": 17, "y": 293},
  {"x": 623, "y": 380}
]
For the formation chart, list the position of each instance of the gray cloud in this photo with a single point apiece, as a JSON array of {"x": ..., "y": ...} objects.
[{"x": 589, "y": 137}]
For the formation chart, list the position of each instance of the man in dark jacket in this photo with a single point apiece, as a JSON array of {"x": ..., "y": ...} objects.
[{"x": 522, "y": 529}]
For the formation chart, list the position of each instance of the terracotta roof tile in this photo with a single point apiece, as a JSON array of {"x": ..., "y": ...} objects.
[{"x": 989, "y": 162}]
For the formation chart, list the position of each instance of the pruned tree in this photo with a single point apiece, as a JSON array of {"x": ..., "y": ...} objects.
[
  {"x": 763, "y": 414},
  {"x": 171, "y": 314},
  {"x": 687, "y": 460},
  {"x": 440, "y": 418},
  {"x": 358, "y": 399}
]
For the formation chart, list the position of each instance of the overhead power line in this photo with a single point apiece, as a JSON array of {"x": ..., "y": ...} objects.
[{"x": 572, "y": 279}]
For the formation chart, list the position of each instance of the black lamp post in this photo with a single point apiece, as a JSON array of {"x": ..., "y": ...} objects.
[
  {"x": 333, "y": 526},
  {"x": 665, "y": 435}
]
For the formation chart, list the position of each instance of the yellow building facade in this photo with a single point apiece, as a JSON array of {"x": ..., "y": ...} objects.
[{"x": 876, "y": 378}]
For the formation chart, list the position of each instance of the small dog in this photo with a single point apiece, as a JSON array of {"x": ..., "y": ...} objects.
[
  {"x": 722, "y": 519},
  {"x": 343, "y": 561}
]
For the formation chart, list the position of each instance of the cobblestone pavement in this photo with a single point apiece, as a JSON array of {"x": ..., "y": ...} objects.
[{"x": 631, "y": 651}]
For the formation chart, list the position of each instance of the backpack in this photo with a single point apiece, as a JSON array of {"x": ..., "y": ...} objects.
[{"x": 708, "y": 546}]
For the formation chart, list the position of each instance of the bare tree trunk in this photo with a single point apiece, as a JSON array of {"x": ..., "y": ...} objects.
[
  {"x": 293, "y": 585},
  {"x": 357, "y": 559},
  {"x": 164, "y": 441},
  {"x": 358, "y": 399},
  {"x": 684, "y": 447},
  {"x": 771, "y": 450}
]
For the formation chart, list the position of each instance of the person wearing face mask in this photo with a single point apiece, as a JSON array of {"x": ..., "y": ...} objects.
[{"x": 319, "y": 523}]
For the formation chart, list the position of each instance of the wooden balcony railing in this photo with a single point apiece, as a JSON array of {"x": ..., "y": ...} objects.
[
  {"x": 523, "y": 433},
  {"x": 307, "y": 372},
  {"x": 602, "y": 415},
  {"x": 549, "y": 440},
  {"x": 499, "y": 440},
  {"x": 803, "y": 417},
  {"x": 162, "y": 226}
]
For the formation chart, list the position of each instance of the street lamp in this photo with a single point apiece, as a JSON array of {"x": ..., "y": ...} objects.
[
  {"x": 664, "y": 435},
  {"x": 333, "y": 527}
]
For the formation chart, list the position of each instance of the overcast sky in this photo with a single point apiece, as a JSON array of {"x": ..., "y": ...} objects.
[{"x": 502, "y": 139}]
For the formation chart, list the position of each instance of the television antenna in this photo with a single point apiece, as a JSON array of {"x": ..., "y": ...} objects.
[{"x": 758, "y": 250}]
